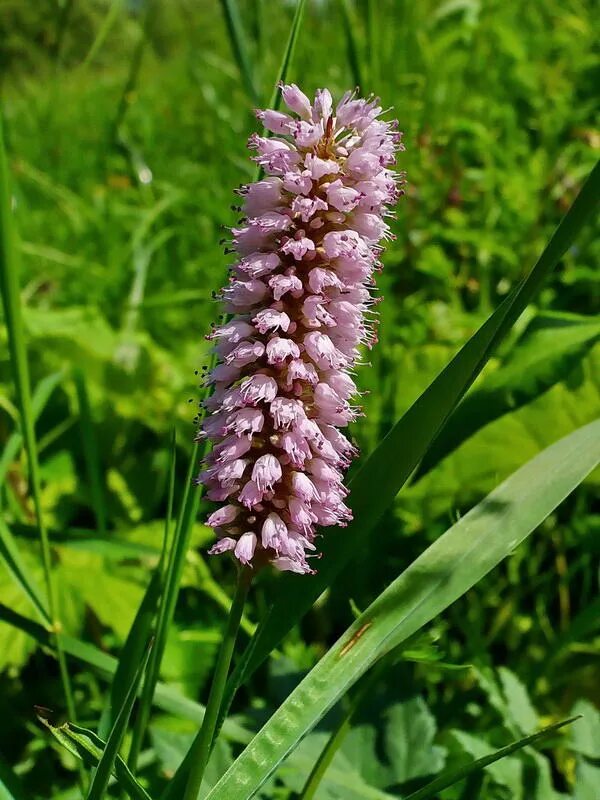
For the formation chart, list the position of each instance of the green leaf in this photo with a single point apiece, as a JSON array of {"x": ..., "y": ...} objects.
[
  {"x": 452, "y": 776},
  {"x": 89, "y": 748},
  {"x": 131, "y": 655},
  {"x": 288, "y": 54},
  {"x": 350, "y": 26},
  {"x": 386, "y": 470},
  {"x": 172, "y": 580},
  {"x": 113, "y": 743},
  {"x": 548, "y": 350},
  {"x": 444, "y": 572},
  {"x": 239, "y": 46}
]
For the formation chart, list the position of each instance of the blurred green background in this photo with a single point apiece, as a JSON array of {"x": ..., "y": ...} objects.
[{"x": 126, "y": 126}]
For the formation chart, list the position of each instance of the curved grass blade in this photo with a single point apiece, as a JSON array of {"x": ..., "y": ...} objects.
[
  {"x": 549, "y": 349},
  {"x": 239, "y": 46},
  {"x": 446, "y": 570},
  {"x": 11, "y": 556},
  {"x": 113, "y": 743},
  {"x": 165, "y": 697},
  {"x": 89, "y": 748},
  {"x": 451, "y": 776},
  {"x": 385, "y": 471},
  {"x": 288, "y": 54}
]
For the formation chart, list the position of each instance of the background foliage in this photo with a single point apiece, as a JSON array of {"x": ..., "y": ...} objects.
[{"x": 126, "y": 124}]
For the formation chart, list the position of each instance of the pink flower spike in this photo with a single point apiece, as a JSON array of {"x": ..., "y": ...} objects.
[{"x": 301, "y": 297}]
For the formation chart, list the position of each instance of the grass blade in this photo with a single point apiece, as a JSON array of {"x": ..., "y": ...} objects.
[
  {"x": 113, "y": 743},
  {"x": 18, "y": 569},
  {"x": 451, "y": 776},
  {"x": 9, "y": 286},
  {"x": 90, "y": 452},
  {"x": 445, "y": 571},
  {"x": 547, "y": 352},
  {"x": 239, "y": 46},
  {"x": 288, "y": 54},
  {"x": 383, "y": 474},
  {"x": 107, "y": 23},
  {"x": 89, "y": 748},
  {"x": 172, "y": 579},
  {"x": 132, "y": 654},
  {"x": 350, "y": 25}
]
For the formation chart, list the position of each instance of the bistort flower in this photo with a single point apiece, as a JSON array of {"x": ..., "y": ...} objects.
[{"x": 300, "y": 300}]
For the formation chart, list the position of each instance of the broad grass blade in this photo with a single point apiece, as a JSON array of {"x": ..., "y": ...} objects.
[
  {"x": 446, "y": 570},
  {"x": 239, "y": 46},
  {"x": 165, "y": 697},
  {"x": 115, "y": 737},
  {"x": 452, "y": 776},
  {"x": 90, "y": 452},
  {"x": 20, "y": 572},
  {"x": 386, "y": 470},
  {"x": 288, "y": 55},
  {"x": 89, "y": 748},
  {"x": 549, "y": 349}
]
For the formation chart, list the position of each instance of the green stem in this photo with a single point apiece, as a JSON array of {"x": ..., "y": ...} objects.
[
  {"x": 202, "y": 745},
  {"x": 11, "y": 296}
]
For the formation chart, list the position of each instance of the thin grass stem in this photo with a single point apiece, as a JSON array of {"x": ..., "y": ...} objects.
[{"x": 9, "y": 285}]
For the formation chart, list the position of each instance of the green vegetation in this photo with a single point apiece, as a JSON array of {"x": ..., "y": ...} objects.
[{"x": 125, "y": 124}]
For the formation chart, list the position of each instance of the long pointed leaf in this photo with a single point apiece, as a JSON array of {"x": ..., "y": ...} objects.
[
  {"x": 386, "y": 470},
  {"x": 549, "y": 349},
  {"x": 444, "y": 572},
  {"x": 451, "y": 776},
  {"x": 172, "y": 580},
  {"x": 131, "y": 654},
  {"x": 239, "y": 46},
  {"x": 88, "y": 747}
]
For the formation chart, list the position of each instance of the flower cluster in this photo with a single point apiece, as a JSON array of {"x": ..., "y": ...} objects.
[{"x": 300, "y": 305}]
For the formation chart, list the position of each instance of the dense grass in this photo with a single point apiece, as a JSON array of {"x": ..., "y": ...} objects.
[{"x": 126, "y": 135}]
